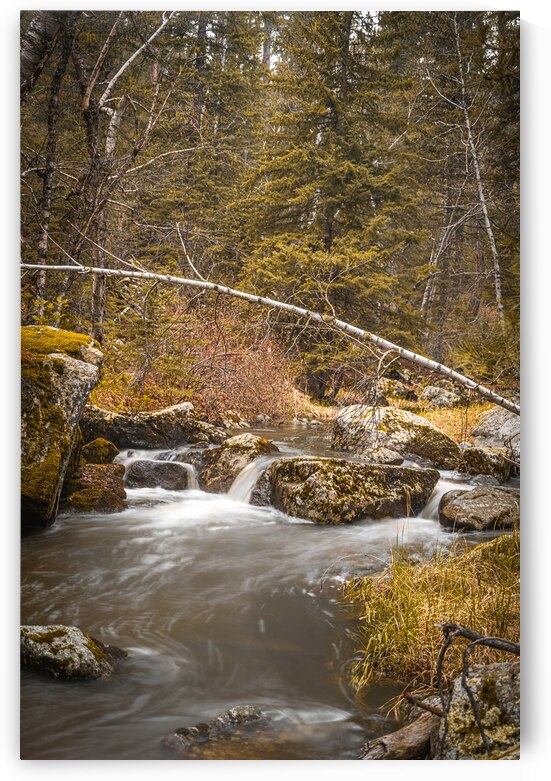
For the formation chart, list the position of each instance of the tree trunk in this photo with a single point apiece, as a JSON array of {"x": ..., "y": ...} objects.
[
  {"x": 38, "y": 44},
  {"x": 410, "y": 742},
  {"x": 332, "y": 323}
]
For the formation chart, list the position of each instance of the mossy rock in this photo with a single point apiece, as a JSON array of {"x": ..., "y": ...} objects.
[
  {"x": 491, "y": 461},
  {"x": 216, "y": 738},
  {"x": 362, "y": 429},
  {"x": 67, "y": 652},
  {"x": 335, "y": 491},
  {"x": 496, "y": 691},
  {"x": 99, "y": 451},
  {"x": 482, "y": 509},
  {"x": 220, "y": 466},
  {"x": 58, "y": 371},
  {"x": 95, "y": 488}
]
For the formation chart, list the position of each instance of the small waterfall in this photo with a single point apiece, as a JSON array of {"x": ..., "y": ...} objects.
[
  {"x": 193, "y": 483},
  {"x": 242, "y": 487},
  {"x": 430, "y": 511}
]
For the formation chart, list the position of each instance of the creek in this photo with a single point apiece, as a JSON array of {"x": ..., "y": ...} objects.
[{"x": 219, "y": 603}]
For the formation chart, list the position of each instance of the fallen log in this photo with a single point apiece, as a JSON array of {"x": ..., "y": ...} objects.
[{"x": 410, "y": 742}]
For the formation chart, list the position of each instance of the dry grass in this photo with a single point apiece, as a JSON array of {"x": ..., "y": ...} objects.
[
  {"x": 400, "y": 609},
  {"x": 456, "y": 422}
]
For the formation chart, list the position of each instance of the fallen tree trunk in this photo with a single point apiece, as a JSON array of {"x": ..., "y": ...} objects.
[
  {"x": 340, "y": 325},
  {"x": 410, "y": 742}
]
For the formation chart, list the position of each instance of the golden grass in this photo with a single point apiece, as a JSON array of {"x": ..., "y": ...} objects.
[
  {"x": 399, "y": 610},
  {"x": 456, "y": 422}
]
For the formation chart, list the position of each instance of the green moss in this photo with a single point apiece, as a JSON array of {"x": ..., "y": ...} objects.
[
  {"x": 47, "y": 636},
  {"x": 43, "y": 340}
]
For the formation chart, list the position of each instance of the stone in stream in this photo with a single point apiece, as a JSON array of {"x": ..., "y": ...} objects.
[
  {"x": 220, "y": 466},
  {"x": 215, "y": 739},
  {"x": 486, "y": 461},
  {"x": 482, "y": 509},
  {"x": 165, "y": 428},
  {"x": 58, "y": 371},
  {"x": 67, "y": 652},
  {"x": 362, "y": 429},
  {"x": 99, "y": 451},
  {"x": 499, "y": 428},
  {"x": 496, "y": 690},
  {"x": 95, "y": 488},
  {"x": 157, "y": 474},
  {"x": 336, "y": 491}
]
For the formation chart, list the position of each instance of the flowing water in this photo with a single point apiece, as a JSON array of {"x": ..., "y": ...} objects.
[{"x": 219, "y": 603}]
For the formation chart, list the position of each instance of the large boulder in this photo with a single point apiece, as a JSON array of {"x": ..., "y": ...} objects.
[
  {"x": 362, "y": 429},
  {"x": 335, "y": 491},
  {"x": 168, "y": 427},
  {"x": 58, "y": 371},
  {"x": 95, "y": 488},
  {"x": 499, "y": 428},
  {"x": 482, "y": 509},
  {"x": 496, "y": 691},
  {"x": 67, "y": 652},
  {"x": 217, "y": 738},
  {"x": 220, "y": 466},
  {"x": 439, "y": 397},
  {"x": 157, "y": 474},
  {"x": 99, "y": 451},
  {"x": 491, "y": 461}
]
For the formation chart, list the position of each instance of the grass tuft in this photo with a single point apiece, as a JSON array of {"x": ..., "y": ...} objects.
[{"x": 401, "y": 607}]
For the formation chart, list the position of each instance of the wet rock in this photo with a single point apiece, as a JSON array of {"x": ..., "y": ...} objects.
[
  {"x": 95, "y": 488},
  {"x": 99, "y": 451},
  {"x": 220, "y": 466},
  {"x": 58, "y": 371},
  {"x": 335, "y": 491},
  {"x": 231, "y": 419},
  {"x": 170, "y": 475},
  {"x": 209, "y": 739},
  {"x": 496, "y": 690},
  {"x": 439, "y": 397},
  {"x": 166, "y": 428},
  {"x": 499, "y": 428},
  {"x": 67, "y": 652},
  {"x": 362, "y": 429},
  {"x": 482, "y": 509},
  {"x": 487, "y": 461}
]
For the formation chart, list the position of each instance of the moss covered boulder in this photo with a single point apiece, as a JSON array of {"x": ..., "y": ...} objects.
[
  {"x": 220, "y": 466},
  {"x": 157, "y": 474},
  {"x": 168, "y": 427},
  {"x": 496, "y": 691},
  {"x": 99, "y": 451},
  {"x": 95, "y": 488},
  {"x": 335, "y": 491},
  {"x": 361, "y": 429},
  {"x": 482, "y": 509},
  {"x": 491, "y": 461},
  {"x": 67, "y": 652},
  {"x": 58, "y": 371}
]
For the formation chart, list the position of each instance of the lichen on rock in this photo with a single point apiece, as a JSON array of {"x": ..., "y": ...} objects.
[
  {"x": 487, "y": 461},
  {"x": 58, "y": 371},
  {"x": 95, "y": 488},
  {"x": 362, "y": 429},
  {"x": 480, "y": 509},
  {"x": 67, "y": 652}
]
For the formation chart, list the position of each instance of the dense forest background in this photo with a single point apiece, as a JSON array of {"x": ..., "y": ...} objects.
[{"x": 358, "y": 164}]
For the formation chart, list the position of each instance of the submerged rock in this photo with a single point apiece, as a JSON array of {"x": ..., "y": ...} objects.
[
  {"x": 335, "y": 491},
  {"x": 168, "y": 427},
  {"x": 220, "y": 466},
  {"x": 487, "y": 461},
  {"x": 209, "y": 739},
  {"x": 67, "y": 652},
  {"x": 362, "y": 429},
  {"x": 95, "y": 488},
  {"x": 496, "y": 690},
  {"x": 99, "y": 451},
  {"x": 439, "y": 397},
  {"x": 58, "y": 371},
  {"x": 499, "y": 428},
  {"x": 482, "y": 509},
  {"x": 157, "y": 474}
]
